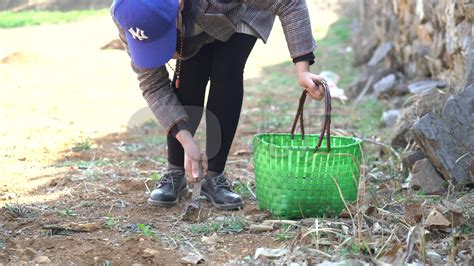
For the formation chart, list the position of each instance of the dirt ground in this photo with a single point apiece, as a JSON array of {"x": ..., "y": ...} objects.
[
  {"x": 74, "y": 175},
  {"x": 59, "y": 90}
]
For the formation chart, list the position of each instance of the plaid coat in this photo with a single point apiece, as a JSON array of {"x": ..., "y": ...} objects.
[{"x": 219, "y": 20}]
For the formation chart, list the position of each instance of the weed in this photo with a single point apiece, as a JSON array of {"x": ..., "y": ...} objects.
[
  {"x": 146, "y": 230},
  {"x": 233, "y": 225},
  {"x": 226, "y": 225},
  {"x": 351, "y": 249},
  {"x": 17, "y": 210},
  {"x": 92, "y": 174},
  {"x": 84, "y": 145},
  {"x": 421, "y": 192},
  {"x": 68, "y": 212},
  {"x": 111, "y": 222},
  {"x": 206, "y": 228},
  {"x": 155, "y": 177},
  {"x": 241, "y": 189},
  {"x": 86, "y": 204},
  {"x": 284, "y": 235}
]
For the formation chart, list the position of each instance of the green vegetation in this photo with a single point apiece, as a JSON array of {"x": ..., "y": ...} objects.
[
  {"x": 226, "y": 225},
  {"x": 332, "y": 53},
  {"x": 367, "y": 117},
  {"x": 16, "y": 210},
  {"x": 111, "y": 222},
  {"x": 155, "y": 177},
  {"x": 68, "y": 212},
  {"x": 86, "y": 204},
  {"x": 83, "y": 145},
  {"x": 286, "y": 232},
  {"x": 146, "y": 230},
  {"x": 30, "y": 18},
  {"x": 241, "y": 189}
]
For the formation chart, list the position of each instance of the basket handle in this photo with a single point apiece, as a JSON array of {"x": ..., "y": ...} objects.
[{"x": 326, "y": 130}]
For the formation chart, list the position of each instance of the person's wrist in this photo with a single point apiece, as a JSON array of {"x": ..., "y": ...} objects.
[
  {"x": 184, "y": 137},
  {"x": 302, "y": 78},
  {"x": 302, "y": 67}
]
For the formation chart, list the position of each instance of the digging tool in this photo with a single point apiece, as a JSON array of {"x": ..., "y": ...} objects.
[{"x": 192, "y": 210}]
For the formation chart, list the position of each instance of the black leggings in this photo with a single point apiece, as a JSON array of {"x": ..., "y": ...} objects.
[{"x": 223, "y": 64}]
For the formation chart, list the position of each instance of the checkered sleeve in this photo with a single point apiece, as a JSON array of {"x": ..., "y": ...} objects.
[
  {"x": 295, "y": 21},
  {"x": 158, "y": 92}
]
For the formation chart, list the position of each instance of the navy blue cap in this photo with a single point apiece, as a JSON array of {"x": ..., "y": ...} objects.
[{"x": 150, "y": 27}]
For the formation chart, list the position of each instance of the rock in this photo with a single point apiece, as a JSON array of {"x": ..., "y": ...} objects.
[
  {"x": 400, "y": 90},
  {"x": 414, "y": 213},
  {"x": 270, "y": 253},
  {"x": 402, "y": 130},
  {"x": 379, "y": 54},
  {"x": 31, "y": 252},
  {"x": 420, "y": 11},
  {"x": 390, "y": 117},
  {"x": 448, "y": 139},
  {"x": 458, "y": 114},
  {"x": 364, "y": 83},
  {"x": 42, "y": 260},
  {"x": 385, "y": 84},
  {"x": 421, "y": 86},
  {"x": 431, "y": 100},
  {"x": 148, "y": 253},
  {"x": 425, "y": 177},
  {"x": 472, "y": 166},
  {"x": 365, "y": 48},
  {"x": 377, "y": 229},
  {"x": 469, "y": 10},
  {"x": 211, "y": 240},
  {"x": 469, "y": 78},
  {"x": 260, "y": 228},
  {"x": 410, "y": 158},
  {"x": 424, "y": 32},
  {"x": 192, "y": 259},
  {"x": 436, "y": 219}
]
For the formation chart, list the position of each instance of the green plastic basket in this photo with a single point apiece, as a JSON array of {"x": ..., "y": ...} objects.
[{"x": 294, "y": 182}]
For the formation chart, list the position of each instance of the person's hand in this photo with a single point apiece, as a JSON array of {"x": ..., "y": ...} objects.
[
  {"x": 195, "y": 162},
  {"x": 306, "y": 80}
]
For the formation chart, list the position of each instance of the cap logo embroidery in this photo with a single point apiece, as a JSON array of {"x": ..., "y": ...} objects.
[{"x": 138, "y": 34}]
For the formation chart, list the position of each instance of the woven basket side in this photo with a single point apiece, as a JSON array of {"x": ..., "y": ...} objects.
[{"x": 298, "y": 183}]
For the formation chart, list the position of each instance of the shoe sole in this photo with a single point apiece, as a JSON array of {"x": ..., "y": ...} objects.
[
  {"x": 167, "y": 204},
  {"x": 226, "y": 207}
]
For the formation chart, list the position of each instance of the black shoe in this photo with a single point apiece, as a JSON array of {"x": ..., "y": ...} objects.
[
  {"x": 168, "y": 190},
  {"x": 217, "y": 191}
]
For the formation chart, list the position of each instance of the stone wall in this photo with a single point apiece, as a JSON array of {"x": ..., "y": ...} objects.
[
  {"x": 418, "y": 38},
  {"x": 421, "y": 51}
]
